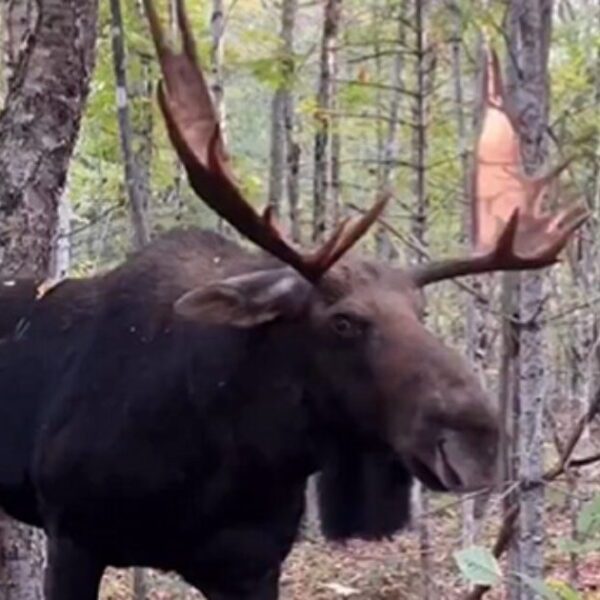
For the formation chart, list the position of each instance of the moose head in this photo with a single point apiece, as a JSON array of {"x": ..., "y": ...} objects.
[{"x": 386, "y": 376}]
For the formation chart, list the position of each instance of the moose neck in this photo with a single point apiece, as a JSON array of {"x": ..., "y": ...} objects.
[{"x": 253, "y": 383}]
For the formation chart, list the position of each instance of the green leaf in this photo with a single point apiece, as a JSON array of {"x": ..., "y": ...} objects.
[
  {"x": 478, "y": 565},
  {"x": 588, "y": 521}
]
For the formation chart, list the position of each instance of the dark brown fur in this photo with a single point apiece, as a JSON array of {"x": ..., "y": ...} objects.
[{"x": 137, "y": 435}]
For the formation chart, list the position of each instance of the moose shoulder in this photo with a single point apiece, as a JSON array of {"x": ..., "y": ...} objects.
[{"x": 168, "y": 413}]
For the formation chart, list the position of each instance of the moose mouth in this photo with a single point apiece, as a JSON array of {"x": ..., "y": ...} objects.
[{"x": 438, "y": 474}]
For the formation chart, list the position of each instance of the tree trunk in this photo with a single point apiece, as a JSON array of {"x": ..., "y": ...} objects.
[
  {"x": 473, "y": 315},
  {"x": 41, "y": 122},
  {"x": 175, "y": 196},
  {"x": 384, "y": 247},
  {"x": 331, "y": 18},
  {"x": 582, "y": 365},
  {"x": 217, "y": 87},
  {"x": 508, "y": 395},
  {"x": 477, "y": 325},
  {"x": 293, "y": 176},
  {"x": 529, "y": 39},
  {"x": 38, "y": 130},
  {"x": 142, "y": 96},
  {"x": 334, "y": 176},
  {"x": 424, "y": 75},
  {"x": 281, "y": 108},
  {"x": 19, "y": 19},
  {"x": 61, "y": 260},
  {"x": 133, "y": 180},
  {"x": 423, "y": 72},
  {"x": 293, "y": 153}
]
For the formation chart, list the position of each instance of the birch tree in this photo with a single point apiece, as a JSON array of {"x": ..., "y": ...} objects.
[
  {"x": 61, "y": 260},
  {"x": 137, "y": 200},
  {"x": 325, "y": 99},
  {"x": 142, "y": 96},
  {"x": 38, "y": 130},
  {"x": 217, "y": 86},
  {"x": 18, "y": 19}
]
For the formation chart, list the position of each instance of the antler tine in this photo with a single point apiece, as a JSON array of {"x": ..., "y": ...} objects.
[
  {"x": 493, "y": 84},
  {"x": 510, "y": 229},
  {"x": 194, "y": 131},
  {"x": 187, "y": 39},
  {"x": 350, "y": 231}
]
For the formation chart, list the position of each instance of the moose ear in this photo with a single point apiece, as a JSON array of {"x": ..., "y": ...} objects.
[{"x": 246, "y": 300}]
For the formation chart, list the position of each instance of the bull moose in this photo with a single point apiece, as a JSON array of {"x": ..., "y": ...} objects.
[{"x": 169, "y": 412}]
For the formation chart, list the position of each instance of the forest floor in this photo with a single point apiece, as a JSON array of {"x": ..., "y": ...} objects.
[{"x": 390, "y": 570}]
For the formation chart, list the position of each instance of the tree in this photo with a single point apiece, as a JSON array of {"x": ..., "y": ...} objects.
[
  {"x": 390, "y": 144},
  {"x": 325, "y": 100},
  {"x": 424, "y": 65},
  {"x": 217, "y": 86},
  {"x": 38, "y": 129},
  {"x": 476, "y": 325},
  {"x": 282, "y": 107},
  {"x": 138, "y": 200},
  {"x": 529, "y": 27}
]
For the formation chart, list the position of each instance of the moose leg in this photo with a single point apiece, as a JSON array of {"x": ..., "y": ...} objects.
[{"x": 72, "y": 572}]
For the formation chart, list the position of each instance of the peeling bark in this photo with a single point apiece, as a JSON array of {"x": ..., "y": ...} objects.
[
  {"x": 38, "y": 129},
  {"x": 50, "y": 63}
]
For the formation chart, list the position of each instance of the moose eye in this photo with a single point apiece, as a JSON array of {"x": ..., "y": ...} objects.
[{"x": 347, "y": 326}]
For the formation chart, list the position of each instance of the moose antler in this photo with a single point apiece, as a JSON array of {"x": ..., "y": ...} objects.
[
  {"x": 510, "y": 231},
  {"x": 194, "y": 131}
]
